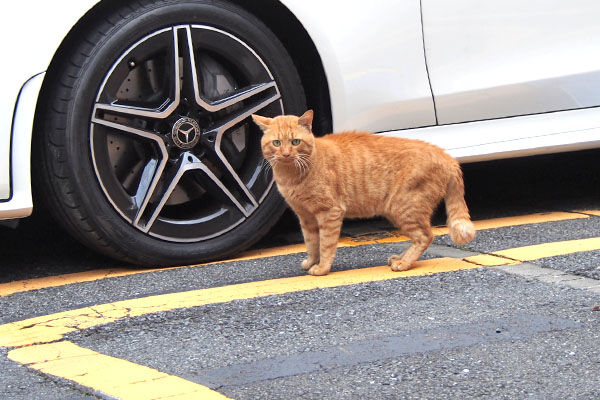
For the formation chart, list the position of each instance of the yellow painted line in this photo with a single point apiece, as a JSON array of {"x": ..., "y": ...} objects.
[
  {"x": 538, "y": 218},
  {"x": 112, "y": 376},
  {"x": 49, "y": 328},
  {"x": 6, "y": 289},
  {"x": 535, "y": 252},
  {"x": 590, "y": 212},
  {"x": 40, "y": 346},
  {"x": 40, "y": 343},
  {"x": 52, "y": 327}
]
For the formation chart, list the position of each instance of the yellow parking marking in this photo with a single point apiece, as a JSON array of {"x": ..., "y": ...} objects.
[
  {"x": 112, "y": 376},
  {"x": 52, "y": 327},
  {"x": 6, "y": 289},
  {"x": 40, "y": 341},
  {"x": 40, "y": 346},
  {"x": 49, "y": 328},
  {"x": 535, "y": 252},
  {"x": 537, "y": 218},
  {"x": 590, "y": 212}
]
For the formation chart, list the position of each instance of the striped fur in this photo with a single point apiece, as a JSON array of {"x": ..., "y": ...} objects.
[{"x": 362, "y": 175}]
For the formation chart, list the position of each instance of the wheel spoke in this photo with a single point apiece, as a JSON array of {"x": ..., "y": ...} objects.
[
  {"x": 236, "y": 98},
  {"x": 191, "y": 87},
  {"x": 148, "y": 180},
  {"x": 244, "y": 113},
  {"x": 213, "y": 139},
  {"x": 218, "y": 187},
  {"x": 149, "y": 211},
  {"x": 171, "y": 178},
  {"x": 141, "y": 133},
  {"x": 166, "y": 108},
  {"x": 153, "y": 169},
  {"x": 159, "y": 113}
]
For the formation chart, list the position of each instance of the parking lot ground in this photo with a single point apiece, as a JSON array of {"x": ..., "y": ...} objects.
[
  {"x": 509, "y": 315},
  {"x": 357, "y": 234}
]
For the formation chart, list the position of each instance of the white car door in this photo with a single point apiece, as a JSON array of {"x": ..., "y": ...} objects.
[
  {"x": 500, "y": 58},
  {"x": 373, "y": 57}
]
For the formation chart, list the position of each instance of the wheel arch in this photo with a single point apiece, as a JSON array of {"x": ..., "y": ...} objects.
[
  {"x": 284, "y": 24},
  {"x": 301, "y": 48},
  {"x": 274, "y": 14}
]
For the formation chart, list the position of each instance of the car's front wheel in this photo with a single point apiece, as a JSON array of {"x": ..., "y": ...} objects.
[{"x": 146, "y": 147}]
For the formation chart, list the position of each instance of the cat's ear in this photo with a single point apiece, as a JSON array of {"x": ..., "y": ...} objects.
[
  {"x": 306, "y": 120},
  {"x": 262, "y": 122}
]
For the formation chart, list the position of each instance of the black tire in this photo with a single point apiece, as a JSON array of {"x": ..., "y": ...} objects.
[{"x": 118, "y": 169}]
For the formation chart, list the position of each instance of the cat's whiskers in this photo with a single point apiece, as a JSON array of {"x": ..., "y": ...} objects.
[
  {"x": 269, "y": 162},
  {"x": 266, "y": 166},
  {"x": 298, "y": 165},
  {"x": 304, "y": 163},
  {"x": 306, "y": 158}
]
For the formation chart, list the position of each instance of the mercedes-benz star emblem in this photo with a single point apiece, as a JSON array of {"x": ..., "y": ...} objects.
[{"x": 185, "y": 133}]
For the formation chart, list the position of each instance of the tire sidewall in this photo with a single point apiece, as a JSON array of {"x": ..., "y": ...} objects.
[{"x": 110, "y": 224}]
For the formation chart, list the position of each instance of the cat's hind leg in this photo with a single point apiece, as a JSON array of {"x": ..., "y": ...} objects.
[
  {"x": 418, "y": 228},
  {"x": 395, "y": 257}
]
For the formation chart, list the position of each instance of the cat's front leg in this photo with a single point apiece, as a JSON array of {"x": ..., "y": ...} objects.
[
  {"x": 310, "y": 231},
  {"x": 330, "y": 225}
]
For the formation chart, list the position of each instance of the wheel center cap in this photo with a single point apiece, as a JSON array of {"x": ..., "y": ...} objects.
[{"x": 185, "y": 133}]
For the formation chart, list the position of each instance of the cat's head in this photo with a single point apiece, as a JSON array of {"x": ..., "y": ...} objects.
[{"x": 286, "y": 138}]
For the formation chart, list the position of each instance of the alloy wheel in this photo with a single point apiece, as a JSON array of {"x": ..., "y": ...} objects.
[{"x": 172, "y": 144}]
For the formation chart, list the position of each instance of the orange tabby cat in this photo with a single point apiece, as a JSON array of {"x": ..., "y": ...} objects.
[{"x": 362, "y": 175}]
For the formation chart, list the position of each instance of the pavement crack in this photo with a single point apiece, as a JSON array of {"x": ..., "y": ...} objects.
[{"x": 509, "y": 260}]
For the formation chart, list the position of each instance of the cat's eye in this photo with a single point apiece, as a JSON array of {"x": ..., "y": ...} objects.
[
  {"x": 276, "y": 143},
  {"x": 296, "y": 142}
]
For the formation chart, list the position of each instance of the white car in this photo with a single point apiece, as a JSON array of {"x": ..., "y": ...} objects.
[{"x": 132, "y": 117}]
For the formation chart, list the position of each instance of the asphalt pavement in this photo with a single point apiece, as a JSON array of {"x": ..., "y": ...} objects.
[{"x": 508, "y": 325}]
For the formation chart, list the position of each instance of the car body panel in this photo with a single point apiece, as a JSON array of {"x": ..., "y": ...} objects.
[
  {"x": 31, "y": 51},
  {"x": 21, "y": 204},
  {"x": 499, "y": 58},
  {"x": 373, "y": 60},
  {"x": 514, "y": 137}
]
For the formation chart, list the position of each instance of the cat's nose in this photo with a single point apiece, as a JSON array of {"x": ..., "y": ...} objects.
[{"x": 286, "y": 155}]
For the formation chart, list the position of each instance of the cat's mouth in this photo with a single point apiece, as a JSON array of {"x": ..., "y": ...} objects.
[
  {"x": 300, "y": 162},
  {"x": 286, "y": 159}
]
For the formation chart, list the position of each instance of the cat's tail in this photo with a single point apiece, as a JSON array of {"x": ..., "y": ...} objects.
[{"x": 459, "y": 222}]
